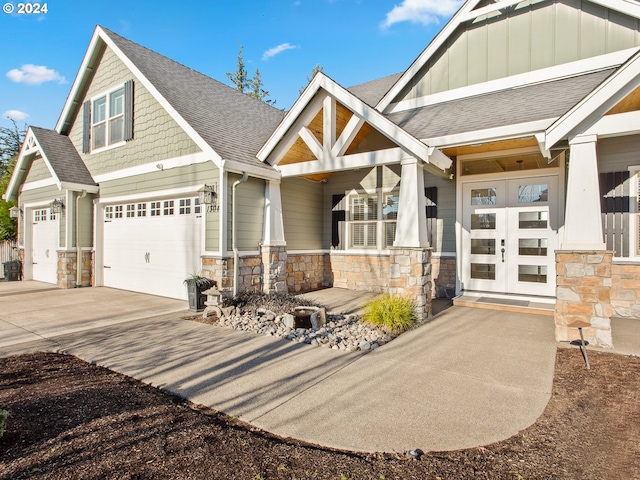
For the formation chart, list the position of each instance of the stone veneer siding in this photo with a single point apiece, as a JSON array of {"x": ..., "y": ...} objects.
[
  {"x": 308, "y": 271},
  {"x": 67, "y": 268},
  {"x": 583, "y": 292},
  {"x": 274, "y": 264},
  {"x": 625, "y": 289},
  {"x": 360, "y": 272},
  {"x": 220, "y": 269},
  {"x": 443, "y": 273}
]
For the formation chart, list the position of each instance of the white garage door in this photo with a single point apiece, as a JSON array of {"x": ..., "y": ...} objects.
[
  {"x": 151, "y": 247},
  {"x": 44, "y": 235}
]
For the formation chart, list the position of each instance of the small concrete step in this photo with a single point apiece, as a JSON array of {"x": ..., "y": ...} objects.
[{"x": 506, "y": 305}]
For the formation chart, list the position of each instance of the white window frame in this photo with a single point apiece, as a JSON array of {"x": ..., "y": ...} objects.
[
  {"x": 381, "y": 219},
  {"x": 109, "y": 119}
]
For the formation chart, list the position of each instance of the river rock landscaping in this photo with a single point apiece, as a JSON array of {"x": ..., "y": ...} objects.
[{"x": 271, "y": 315}]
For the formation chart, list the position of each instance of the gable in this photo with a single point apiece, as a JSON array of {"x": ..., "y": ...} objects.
[
  {"x": 521, "y": 38},
  {"x": 156, "y": 135},
  {"x": 38, "y": 171}
]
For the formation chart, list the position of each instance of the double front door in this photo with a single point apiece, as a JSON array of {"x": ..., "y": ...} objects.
[{"x": 510, "y": 234}]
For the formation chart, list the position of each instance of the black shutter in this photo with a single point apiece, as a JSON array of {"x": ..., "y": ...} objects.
[
  {"x": 86, "y": 127},
  {"x": 432, "y": 213},
  {"x": 337, "y": 215},
  {"x": 615, "y": 202},
  {"x": 128, "y": 110}
]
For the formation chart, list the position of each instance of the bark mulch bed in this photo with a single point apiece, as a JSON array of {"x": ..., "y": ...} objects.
[{"x": 72, "y": 420}]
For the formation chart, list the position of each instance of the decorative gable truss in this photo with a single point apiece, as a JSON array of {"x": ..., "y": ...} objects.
[{"x": 329, "y": 130}]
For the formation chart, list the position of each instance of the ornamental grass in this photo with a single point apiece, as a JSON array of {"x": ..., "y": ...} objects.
[{"x": 394, "y": 313}]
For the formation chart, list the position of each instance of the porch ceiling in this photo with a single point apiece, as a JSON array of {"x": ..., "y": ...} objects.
[
  {"x": 491, "y": 146},
  {"x": 631, "y": 103}
]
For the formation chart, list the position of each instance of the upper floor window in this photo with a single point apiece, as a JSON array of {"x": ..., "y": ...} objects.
[{"x": 108, "y": 118}]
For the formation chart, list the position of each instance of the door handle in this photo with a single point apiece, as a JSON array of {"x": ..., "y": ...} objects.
[{"x": 502, "y": 254}]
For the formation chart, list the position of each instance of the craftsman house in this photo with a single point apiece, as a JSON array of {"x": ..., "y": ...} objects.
[{"x": 500, "y": 166}]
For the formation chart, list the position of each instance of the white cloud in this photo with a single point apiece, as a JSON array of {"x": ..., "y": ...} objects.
[
  {"x": 272, "y": 52},
  {"x": 34, "y": 75},
  {"x": 16, "y": 115},
  {"x": 421, "y": 11}
]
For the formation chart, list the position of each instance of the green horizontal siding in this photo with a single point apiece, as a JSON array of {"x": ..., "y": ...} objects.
[
  {"x": 250, "y": 215},
  {"x": 303, "y": 213}
]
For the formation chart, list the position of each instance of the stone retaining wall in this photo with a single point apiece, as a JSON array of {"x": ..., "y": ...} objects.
[{"x": 625, "y": 290}]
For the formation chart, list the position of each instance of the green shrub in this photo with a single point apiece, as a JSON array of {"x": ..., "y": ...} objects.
[
  {"x": 3, "y": 421},
  {"x": 393, "y": 313}
]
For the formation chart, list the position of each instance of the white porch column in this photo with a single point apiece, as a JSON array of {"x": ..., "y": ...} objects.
[
  {"x": 273, "y": 231},
  {"x": 583, "y": 221},
  {"x": 411, "y": 226}
]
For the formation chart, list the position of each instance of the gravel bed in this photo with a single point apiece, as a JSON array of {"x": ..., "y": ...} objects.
[{"x": 346, "y": 333}]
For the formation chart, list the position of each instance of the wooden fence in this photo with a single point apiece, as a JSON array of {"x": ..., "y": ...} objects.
[{"x": 7, "y": 253}]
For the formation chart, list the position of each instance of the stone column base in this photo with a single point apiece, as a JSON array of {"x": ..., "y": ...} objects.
[
  {"x": 274, "y": 268},
  {"x": 583, "y": 293},
  {"x": 68, "y": 268},
  {"x": 410, "y": 275}
]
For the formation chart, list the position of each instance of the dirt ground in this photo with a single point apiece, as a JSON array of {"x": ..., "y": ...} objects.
[{"x": 72, "y": 420}]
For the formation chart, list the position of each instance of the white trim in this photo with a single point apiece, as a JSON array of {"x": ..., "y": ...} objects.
[
  {"x": 400, "y": 137},
  {"x": 473, "y": 14},
  {"x": 47, "y": 182},
  {"x": 256, "y": 171},
  {"x": 616, "y": 125},
  {"x": 160, "y": 194},
  {"x": 107, "y": 120},
  {"x": 121, "y": 143},
  {"x": 309, "y": 252},
  {"x": 152, "y": 167},
  {"x": 361, "y": 251},
  {"x": 595, "y": 104},
  {"x": 544, "y": 75},
  {"x": 79, "y": 187},
  {"x": 348, "y": 162},
  {"x": 506, "y": 132},
  {"x": 628, "y": 8}
]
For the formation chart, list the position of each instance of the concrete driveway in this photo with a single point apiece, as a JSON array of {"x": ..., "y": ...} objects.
[{"x": 470, "y": 377}]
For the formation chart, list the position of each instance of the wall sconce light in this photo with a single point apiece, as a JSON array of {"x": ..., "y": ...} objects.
[
  {"x": 57, "y": 206},
  {"x": 208, "y": 196},
  {"x": 14, "y": 212}
]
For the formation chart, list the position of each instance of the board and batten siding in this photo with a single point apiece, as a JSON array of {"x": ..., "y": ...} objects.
[
  {"x": 156, "y": 135},
  {"x": 303, "y": 213},
  {"x": 250, "y": 215},
  {"x": 529, "y": 36}
]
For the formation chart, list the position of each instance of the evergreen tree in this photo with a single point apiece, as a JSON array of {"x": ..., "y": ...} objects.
[
  {"x": 11, "y": 140},
  {"x": 239, "y": 77},
  {"x": 314, "y": 70},
  {"x": 256, "y": 89}
]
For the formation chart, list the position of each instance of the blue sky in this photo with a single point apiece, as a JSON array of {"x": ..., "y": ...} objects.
[{"x": 353, "y": 40}]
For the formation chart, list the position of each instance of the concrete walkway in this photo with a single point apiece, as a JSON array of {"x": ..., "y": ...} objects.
[{"x": 470, "y": 377}]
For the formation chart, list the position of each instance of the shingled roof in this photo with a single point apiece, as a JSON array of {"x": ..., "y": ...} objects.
[
  {"x": 371, "y": 92},
  {"x": 64, "y": 159},
  {"x": 496, "y": 109},
  {"x": 232, "y": 123}
]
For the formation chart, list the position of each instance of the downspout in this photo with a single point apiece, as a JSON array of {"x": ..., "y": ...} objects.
[
  {"x": 78, "y": 248},
  {"x": 234, "y": 241}
]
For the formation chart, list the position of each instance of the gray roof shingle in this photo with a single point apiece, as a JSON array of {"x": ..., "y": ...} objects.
[
  {"x": 232, "y": 123},
  {"x": 372, "y": 92},
  {"x": 506, "y": 107},
  {"x": 63, "y": 157}
]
